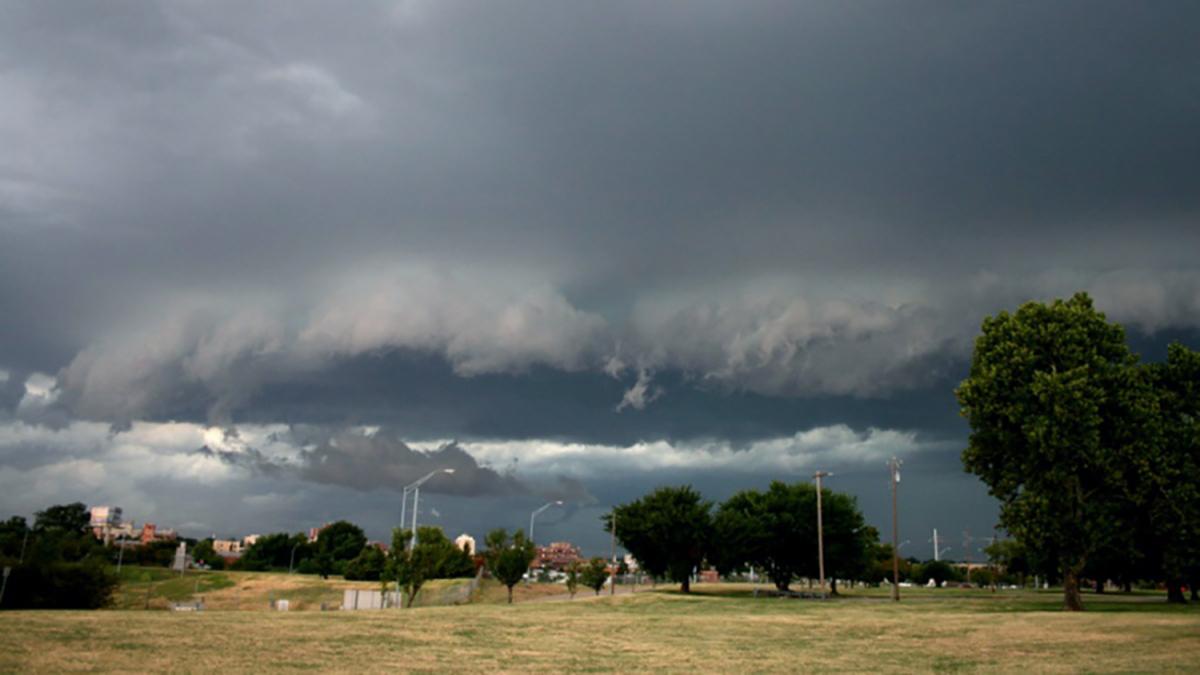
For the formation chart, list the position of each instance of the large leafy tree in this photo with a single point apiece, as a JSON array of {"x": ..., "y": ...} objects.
[
  {"x": 433, "y": 556},
  {"x": 338, "y": 543},
  {"x": 509, "y": 558},
  {"x": 776, "y": 531},
  {"x": 668, "y": 531},
  {"x": 1171, "y": 489},
  {"x": 1058, "y": 410},
  {"x": 368, "y": 565},
  {"x": 275, "y": 551},
  {"x": 848, "y": 538},
  {"x": 14, "y": 534},
  {"x": 73, "y": 518}
]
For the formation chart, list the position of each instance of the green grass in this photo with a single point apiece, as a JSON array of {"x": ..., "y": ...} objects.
[{"x": 720, "y": 628}]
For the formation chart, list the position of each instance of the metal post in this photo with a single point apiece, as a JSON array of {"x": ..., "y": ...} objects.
[
  {"x": 292, "y": 557},
  {"x": 612, "y": 540},
  {"x": 820, "y": 535},
  {"x": 967, "y": 553},
  {"x": 4, "y": 584},
  {"x": 894, "y": 465},
  {"x": 403, "y": 506},
  {"x": 416, "y": 500}
]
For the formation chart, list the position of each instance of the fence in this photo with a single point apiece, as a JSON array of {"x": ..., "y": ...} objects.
[{"x": 453, "y": 594}]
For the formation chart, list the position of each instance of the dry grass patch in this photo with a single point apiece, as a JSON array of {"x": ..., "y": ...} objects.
[{"x": 645, "y": 631}]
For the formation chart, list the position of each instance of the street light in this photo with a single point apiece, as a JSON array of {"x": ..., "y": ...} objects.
[
  {"x": 538, "y": 512},
  {"x": 416, "y": 489},
  {"x": 894, "y": 470},
  {"x": 820, "y": 533},
  {"x": 292, "y": 558}
]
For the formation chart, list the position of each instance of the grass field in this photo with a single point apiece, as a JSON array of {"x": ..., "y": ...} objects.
[
  {"x": 717, "y": 629},
  {"x": 157, "y": 588}
]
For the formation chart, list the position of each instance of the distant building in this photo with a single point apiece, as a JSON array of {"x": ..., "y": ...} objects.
[
  {"x": 558, "y": 556},
  {"x": 315, "y": 532},
  {"x": 466, "y": 543},
  {"x": 104, "y": 522},
  {"x": 151, "y": 533},
  {"x": 249, "y": 540},
  {"x": 227, "y": 547}
]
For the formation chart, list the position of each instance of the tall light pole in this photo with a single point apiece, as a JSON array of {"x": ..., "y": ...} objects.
[
  {"x": 416, "y": 489},
  {"x": 820, "y": 533},
  {"x": 403, "y": 505},
  {"x": 538, "y": 512},
  {"x": 612, "y": 542},
  {"x": 894, "y": 467},
  {"x": 292, "y": 557}
]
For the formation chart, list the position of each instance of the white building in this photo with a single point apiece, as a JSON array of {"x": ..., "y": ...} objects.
[{"x": 465, "y": 542}]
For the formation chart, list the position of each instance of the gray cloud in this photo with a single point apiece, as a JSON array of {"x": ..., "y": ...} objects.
[{"x": 747, "y": 215}]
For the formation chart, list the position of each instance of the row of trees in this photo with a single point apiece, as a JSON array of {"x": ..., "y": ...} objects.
[
  {"x": 336, "y": 546},
  {"x": 674, "y": 531},
  {"x": 1094, "y": 455}
]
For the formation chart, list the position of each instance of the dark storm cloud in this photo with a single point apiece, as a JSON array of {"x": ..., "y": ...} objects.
[
  {"x": 378, "y": 460},
  {"x": 597, "y": 223}
]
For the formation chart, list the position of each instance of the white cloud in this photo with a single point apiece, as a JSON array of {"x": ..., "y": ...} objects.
[
  {"x": 817, "y": 447},
  {"x": 640, "y": 394}
]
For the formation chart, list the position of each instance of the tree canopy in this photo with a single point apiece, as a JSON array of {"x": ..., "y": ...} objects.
[
  {"x": 776, "y": 531},
  {"x": 668, "y": 531},
  {"x": 433, "y": 556},
  {"x": 594, "y": 574},
  {"x": 1091, "y": 453},
  {"x": 508, "y": 559}
]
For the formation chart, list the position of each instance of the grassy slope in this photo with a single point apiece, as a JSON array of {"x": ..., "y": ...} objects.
[
  {"x": 239, "y": 590},
  {"x": 710, "y": 631}
]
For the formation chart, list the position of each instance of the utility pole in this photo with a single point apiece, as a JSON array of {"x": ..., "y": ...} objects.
[
  {"x": 937, "y": 555},
  {"x": 820, "y": 534},
  {"x": 612, "y": 541},
  {"x": 403, "y": 506},
  {"x": 967, "y": 552},
  {"x": 894, "y": 467}
]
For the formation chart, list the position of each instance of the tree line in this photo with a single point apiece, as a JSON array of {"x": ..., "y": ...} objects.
[
  {"x": 1093, "y": 454},
  {"x": 673, "y": 532}
]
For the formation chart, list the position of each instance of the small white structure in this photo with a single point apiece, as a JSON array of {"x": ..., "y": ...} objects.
[{"x": 465, "y": 542}]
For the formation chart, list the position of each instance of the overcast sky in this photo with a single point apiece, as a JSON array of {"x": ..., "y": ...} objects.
[{"x": 261, "y": 265}]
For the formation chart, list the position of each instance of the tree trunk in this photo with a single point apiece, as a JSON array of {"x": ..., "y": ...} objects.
[
  {"x": 1099, "y": 585},
  {"x": 833, "y": 586},
  {"x": 510, "y": 595},
  {"x": 1127, "y": 587},
  {"x": 1071, "y": 599},
  {"x": 687, "y": 585},
  {"x": 1195, "y": 592},
  {"x": 1175, "y": 591},
  {"x": 782, "y": 585}
]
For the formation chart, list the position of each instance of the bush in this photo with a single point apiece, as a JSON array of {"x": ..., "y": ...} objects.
[{"x": 61, "y": 585}]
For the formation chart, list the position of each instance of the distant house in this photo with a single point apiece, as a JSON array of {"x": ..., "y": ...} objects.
[{"x": 557, "y": 556}]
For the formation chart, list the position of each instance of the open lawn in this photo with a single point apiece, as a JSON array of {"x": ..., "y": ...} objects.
[
  {"x": 157, "y": 588},
  {"x": 717, "y": 629}
]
